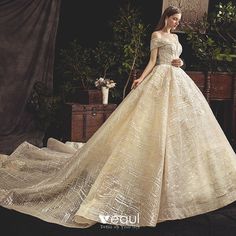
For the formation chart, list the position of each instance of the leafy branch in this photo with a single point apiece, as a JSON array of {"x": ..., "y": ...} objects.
[
  {"x": 213, "y": 39},
  {"x": 129, "y": 37}
]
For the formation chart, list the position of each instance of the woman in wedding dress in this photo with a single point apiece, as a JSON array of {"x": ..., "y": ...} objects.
[{"x": 161, "y": 155}]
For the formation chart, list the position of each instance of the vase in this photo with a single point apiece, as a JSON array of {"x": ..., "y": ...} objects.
[{"x": 105, "y": 94}]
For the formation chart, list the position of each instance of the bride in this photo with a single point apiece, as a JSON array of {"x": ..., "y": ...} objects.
[{"x": 161, "y": 155}]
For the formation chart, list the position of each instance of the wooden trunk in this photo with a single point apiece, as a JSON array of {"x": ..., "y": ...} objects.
[
  {"x": 85, "y": 120},
  {"x": 215, "y": 86}
]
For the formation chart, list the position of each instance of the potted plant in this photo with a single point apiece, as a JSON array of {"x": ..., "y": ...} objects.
[
  {"x": 213, "y": 41},
  {"x": 79, "y": 74},
  {"x": 105, "y": 59}
]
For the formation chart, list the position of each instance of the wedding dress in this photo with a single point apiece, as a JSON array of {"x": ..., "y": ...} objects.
[{"x": 161, "y": 155}]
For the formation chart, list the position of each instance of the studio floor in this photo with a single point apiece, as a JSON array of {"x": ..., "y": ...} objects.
[{"x": 221, "y": 222}]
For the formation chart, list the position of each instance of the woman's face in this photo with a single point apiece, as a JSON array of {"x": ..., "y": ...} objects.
[{"x": 173, "y": 21}]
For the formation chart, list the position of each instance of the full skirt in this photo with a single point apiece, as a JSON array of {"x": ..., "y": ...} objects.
[{"x": 161, "y": 155}]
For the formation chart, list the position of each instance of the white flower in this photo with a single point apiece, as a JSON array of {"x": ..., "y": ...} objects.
[
  {"x": 101, "y": 82},
  {"x": 101, "y": 79}
]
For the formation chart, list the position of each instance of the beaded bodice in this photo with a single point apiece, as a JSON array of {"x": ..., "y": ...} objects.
[{"x": 167, "y": 49}]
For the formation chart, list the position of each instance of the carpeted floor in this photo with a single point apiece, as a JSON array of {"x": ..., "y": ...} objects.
[{"x": 221, "y": 222}]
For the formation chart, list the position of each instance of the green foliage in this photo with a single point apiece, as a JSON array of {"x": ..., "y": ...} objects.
[
  {"x": 80, "y": 67},
  {"x": 76, "y": 66},
  {"x": 129, "y": 34},
  {"x": 43, "y": 105},
  {"x": 104, "y": 58},
  {"x": 115, "y": 59},
  {"x": 213, "y": 39}
]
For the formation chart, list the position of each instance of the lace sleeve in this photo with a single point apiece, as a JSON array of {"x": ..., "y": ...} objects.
[{"x": 155, "y": 43}]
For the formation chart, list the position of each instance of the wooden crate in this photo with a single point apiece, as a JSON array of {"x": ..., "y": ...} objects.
[{"x": 85, "y": 119}]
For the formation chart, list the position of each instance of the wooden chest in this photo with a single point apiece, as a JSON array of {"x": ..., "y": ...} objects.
[{"x": 85, "y": 119}]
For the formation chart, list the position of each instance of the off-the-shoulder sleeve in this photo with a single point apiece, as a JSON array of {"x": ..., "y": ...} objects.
[{"x": 155, "y": 43}]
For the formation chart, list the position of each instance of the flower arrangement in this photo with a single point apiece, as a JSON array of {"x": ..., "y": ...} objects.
[{"x": 108, "y": 83}]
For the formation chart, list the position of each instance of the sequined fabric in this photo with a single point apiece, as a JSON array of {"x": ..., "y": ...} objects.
[{"x": 161, "y": 155}]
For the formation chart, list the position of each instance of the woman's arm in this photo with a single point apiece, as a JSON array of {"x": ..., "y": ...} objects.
[
  {"x": 151, "y": 64},
  {"x": 148, "y": 68}
]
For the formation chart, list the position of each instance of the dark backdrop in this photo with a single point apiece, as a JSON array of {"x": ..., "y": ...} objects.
[
  {"x": 80, "y": 19},
  {"x": 88, "y": 21},
  {"x": 27, "y": 41}
]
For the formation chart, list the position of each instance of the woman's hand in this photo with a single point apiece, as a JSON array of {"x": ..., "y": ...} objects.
[
  {"x": 177, "y": 62},
  {"x": 136, "y": 82}
]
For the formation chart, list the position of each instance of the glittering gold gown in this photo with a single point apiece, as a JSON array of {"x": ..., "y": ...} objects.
[{"x": 161, "y": 155}]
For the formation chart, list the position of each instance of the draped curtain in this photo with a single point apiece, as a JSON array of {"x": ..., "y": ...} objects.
[{"x": 27, "y": 44}]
